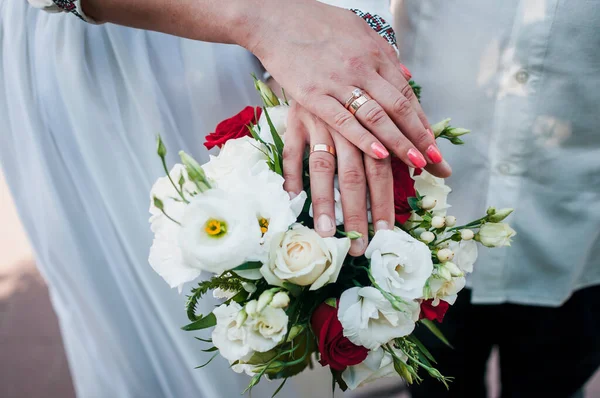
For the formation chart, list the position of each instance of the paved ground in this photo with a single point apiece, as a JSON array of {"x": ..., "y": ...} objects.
[{"x": 32, "y": 358}]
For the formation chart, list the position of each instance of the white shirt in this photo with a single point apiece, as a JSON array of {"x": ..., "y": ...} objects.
[{"x": 524, "y": 76}]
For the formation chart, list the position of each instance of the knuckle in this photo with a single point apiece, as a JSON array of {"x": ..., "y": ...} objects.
[
  {"x": 398, "y": 144},
  {"x": 402, "y": 106},
  {"x": 290, "y": 152},
  {"x": 308, "y": 91},
  {"x": 323, "y": 201},
  {"x": 356, "y": 65},
  {"x": 376, "y": 116},
  {"x": 379, "y": 170},
  {"x": 423, "y": 139},
  {"x": 322, "y": 164},
  {"x": 408, "y": 92},
  {"x": 354, "y": 219},
  {"x": 352, "y": 177},
  {"x": 342, "y": 120}
]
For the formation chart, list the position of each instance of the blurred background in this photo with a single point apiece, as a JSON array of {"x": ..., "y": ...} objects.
[{"x": 32, "y": 357}]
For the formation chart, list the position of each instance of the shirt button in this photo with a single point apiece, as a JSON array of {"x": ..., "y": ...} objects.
[
  {"x": 504, "y": 168},
  {"x": 522, "y": 76}
]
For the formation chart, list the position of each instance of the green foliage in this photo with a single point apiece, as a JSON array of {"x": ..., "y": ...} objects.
[
  {"x": 416, "y": 89},
  {"x": 226, "y": 281},
  {"x": 436, "y": 331}
]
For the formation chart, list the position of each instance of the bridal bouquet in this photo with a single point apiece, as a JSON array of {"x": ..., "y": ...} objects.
[{"x": 289, "y": 296}]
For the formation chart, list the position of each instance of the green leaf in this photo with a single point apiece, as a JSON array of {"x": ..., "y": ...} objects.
[
  {"x": 294, "y": 290},
  {"x": 247, "y": 266},
  {"x": 332, "y": 302},
  {"x": 416, "y": 89},
  {"x": 412, "y": 338},
  {"x": 276, "y": 138},
  {"x": 279, "y": 388},
  {"x": 207, "y": 362},
  {"x": 204, "y": 340},
  {"x": 437, "y": 332},
  {"x": 206, "y": 322},
  {"x": 414, "y": 203},
  {"x": 337, "y": 377},
  {"x": 211, "y": 349}
]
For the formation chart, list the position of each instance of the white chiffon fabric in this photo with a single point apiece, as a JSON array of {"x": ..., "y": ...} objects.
[{"x": 80, "y": 108}]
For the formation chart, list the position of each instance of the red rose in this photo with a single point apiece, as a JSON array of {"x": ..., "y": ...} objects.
[
  {"x": 234, "y": 127},
  {"x": 434, "y": 313},
  {"x": 404, "y": 188},
  {"x": 336, "y": 350}
]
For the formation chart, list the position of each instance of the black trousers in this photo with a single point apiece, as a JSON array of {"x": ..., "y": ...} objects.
[{"x": 544, "y": 352}]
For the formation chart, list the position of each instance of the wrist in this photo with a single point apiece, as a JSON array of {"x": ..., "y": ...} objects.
[{"x": 247, "y": 21}]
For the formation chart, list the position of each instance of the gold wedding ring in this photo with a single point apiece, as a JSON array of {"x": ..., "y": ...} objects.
[
  {"x": 359, "y": 98},
  {"x": 322, "y": 148}
]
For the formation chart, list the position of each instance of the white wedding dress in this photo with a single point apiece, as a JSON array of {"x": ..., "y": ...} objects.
[{"x": 80, "y": 107}]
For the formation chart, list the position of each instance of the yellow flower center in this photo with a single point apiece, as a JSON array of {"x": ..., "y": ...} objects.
[
  {"x": 264, "y": 225},
  {"x": 215, "y": 228}
]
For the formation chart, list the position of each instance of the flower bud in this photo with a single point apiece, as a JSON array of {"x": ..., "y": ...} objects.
[
  {"x": 438, "y": 222},
  {"x": 453, "y": 269},
  {"x": 456, "y": 131},
  {"x": 280, "y": 300},
  {"x": 195, "y": 171},
  {"x": 158, "y": 203},
  {"x": 427, "y": 203},
  {"x": 491, "y": 211},
  {"x": 439, "y": 127},
  {"x": 427, "y": 237},
  {"x": 445, "y": 255},
  {"x": 352, "y": 235},
  {"x": 241, "y": 318},
  {"x": 466, "y": 234},
  {"x": 443, "y": 272},
  {"x": 266, "y": 93},
  {"x": 249, "y": 287},
  {"x": 495, "y": 234},
  {"x": 450, "y": 221},
  {"x": 251, "y": 307},
  {"x": 500, "y": 215},
  {"x": 160, "y": 147},
  {"x": 265, "y": 298}
]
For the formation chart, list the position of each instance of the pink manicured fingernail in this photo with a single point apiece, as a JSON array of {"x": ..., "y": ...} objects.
[
  {"x": 434, "y": 154},
  {"x": 416, "y": 158},
  {"x": 405, "y": 72},
  {"x": 431, "y": 132},
  {"x": 379, "y": 150}
]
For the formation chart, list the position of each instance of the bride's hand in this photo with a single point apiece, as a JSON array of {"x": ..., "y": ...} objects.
[
  {"x": 355, "y": 173},
  {"x": 320, "y": 54}
]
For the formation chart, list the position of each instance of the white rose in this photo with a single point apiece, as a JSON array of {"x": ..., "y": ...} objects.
[
  {"x": 302, "y": 257},
  {"x": 219, "y": 231},
  {"x": 444, "y": 289},
  {"x": 278, "y": 115},
  {"x": 240, "y": 155},
  {"x": 377, "y": 365},
  {"x": 465, "y": 254},
  {"x": 265, "y": 329},
  {"x": 400, "y": 264},
  {"x": 433, "y": 188},
  {"x": 495, "y": 234},
  {"x": 227, "y": 336},
  {"x": 369, "y": 319}
]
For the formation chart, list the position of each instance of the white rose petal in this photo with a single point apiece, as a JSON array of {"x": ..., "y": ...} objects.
[
  {"x": 465, "y": 254},
  {"x": 302, "y": 257},
  {"x": 278, "y": 115},
  {"x": 495, "y": 234},
  {"x": 227, "y": 337},
  {"x": 369, "y": 319},
  {"x": 377, "y": 365},
  {"x": 239, "y": 155},
  {"x": 434, "y": 188},
  {"x": 447, "y": 290},
  {"x": 240, "y": 242},
  {"x": 266, "y": 329},
  {"x": 400, "y": 264}
]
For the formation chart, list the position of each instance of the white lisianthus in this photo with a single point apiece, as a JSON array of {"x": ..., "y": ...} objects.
[
  {"x": 265, "y": 329},
  {"x": 434, "y": 188},
  {"x": 445, "y": 289},
  {"x": 219, "y": 231},
  {"x": 302, "y": 257},
  {"x": 400, "y": 264},
  {"x": 495, "y": 234},
  {"x": 227, "y": 336},
  {"x": 377, "y": 365},
  {"x": 465, "y": 254},
  {"x": 278, "y": 115},
  {"x": 369, "y": 319},
  {"x": 238, "y": 156}
]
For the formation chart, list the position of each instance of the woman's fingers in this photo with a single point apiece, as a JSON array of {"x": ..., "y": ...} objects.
[
  {"x": 322, "y": 171},
  {"x": 381, "y": 190},
  {"x": 353, "y": 188},
  {"x": 341, "y": 120},
  {"x": 293, "y": 152}
]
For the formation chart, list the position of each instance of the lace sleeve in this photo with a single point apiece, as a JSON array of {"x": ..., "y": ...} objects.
[{"x": 72, "y": 6}]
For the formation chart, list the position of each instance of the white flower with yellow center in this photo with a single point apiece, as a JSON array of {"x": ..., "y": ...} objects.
[{"x": 219, "y": 231}]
